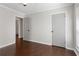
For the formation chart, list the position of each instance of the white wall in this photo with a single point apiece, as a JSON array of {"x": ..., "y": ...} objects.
[
  {"x": 7, "y": 26},
  {"x": 41, "y": 26},
  {"x": 76, "y": 39},
  {"x": 77, "y": 26},
  {"x": 69, "y": 28}
]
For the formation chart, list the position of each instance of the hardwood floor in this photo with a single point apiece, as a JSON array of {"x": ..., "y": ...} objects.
[{"x": 26, "y": 48}]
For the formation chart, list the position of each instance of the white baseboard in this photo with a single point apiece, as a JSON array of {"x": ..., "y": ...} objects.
[
  {"x": 69, "y": 48},
  {"x": 47, "y": 44},
  {"x": 7, "y": 44},
  {"x": 39, "y": 42},
  {"x": 76, "y": 52},
  {"x": 77, "y": 48}
]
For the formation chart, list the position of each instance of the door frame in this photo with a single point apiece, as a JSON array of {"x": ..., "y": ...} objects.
[
  {"x": 19, "y": 37},
  {"x": 65, "y": 28}
]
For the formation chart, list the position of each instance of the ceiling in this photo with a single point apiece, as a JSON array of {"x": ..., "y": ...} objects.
[{"x": 34, "y": 7}]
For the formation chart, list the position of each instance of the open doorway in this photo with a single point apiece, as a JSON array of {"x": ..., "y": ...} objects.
[{"x": 19, "y": 31}]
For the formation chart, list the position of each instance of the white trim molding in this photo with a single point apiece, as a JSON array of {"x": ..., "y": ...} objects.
[
  {"x": 18, "y": 12},
  {"x": 7, "y": 45},
  {"x": 76, "y": 50},
  {"x": 38, "y": 42}
]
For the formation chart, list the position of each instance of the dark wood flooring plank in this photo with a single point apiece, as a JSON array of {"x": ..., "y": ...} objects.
[{"x": 26, "y": 48}]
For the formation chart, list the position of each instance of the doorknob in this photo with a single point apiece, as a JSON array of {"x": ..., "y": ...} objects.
[
  {"x": 51, "y": 31},
  {"x": 28, "y": 30}
]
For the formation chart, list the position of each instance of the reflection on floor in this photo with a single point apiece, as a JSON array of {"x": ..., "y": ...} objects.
[{"x": 25, "y": 48}]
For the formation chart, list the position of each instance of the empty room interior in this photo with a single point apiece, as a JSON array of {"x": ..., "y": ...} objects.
[{"x": 39, "y": 29}]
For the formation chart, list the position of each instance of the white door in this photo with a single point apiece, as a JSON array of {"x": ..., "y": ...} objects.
[
  {"x": 26, "y": 29},
  {"x": 58, "y": 30}
]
